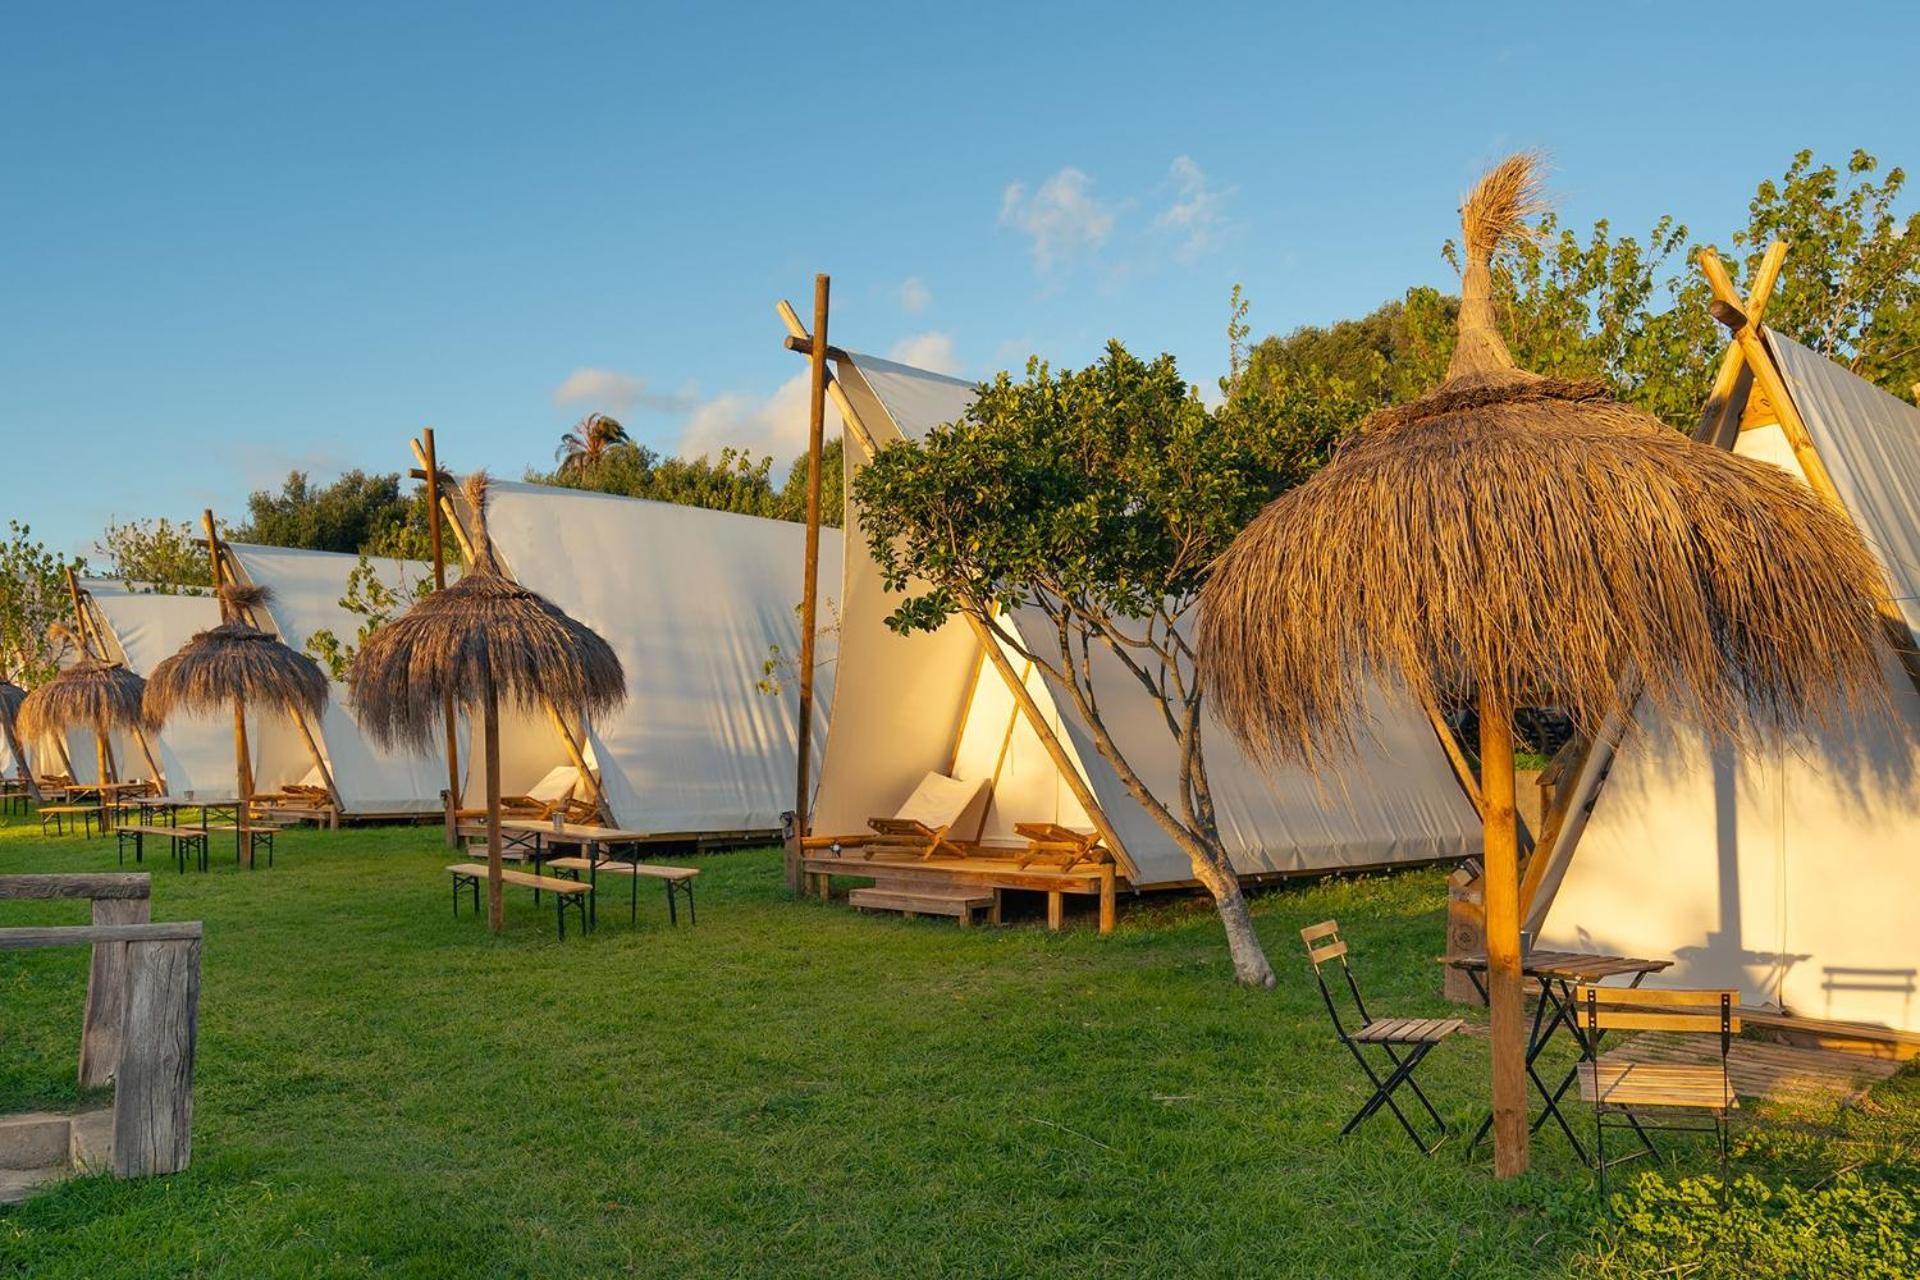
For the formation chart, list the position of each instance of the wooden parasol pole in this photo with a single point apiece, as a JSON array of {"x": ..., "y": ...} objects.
[
  {"x": 431, "y": 461},
  {"x": 242, "y": 752},
  {"x": 1502, "y": 888},
  {"x": 490, "y": 722},
  {"x": 809, "y": 593}
]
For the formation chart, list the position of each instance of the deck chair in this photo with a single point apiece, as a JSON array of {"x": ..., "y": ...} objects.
[
  {"x": 1698, "y": 1096},
  {"x": 1051, "y": 841},
  {"x": 552, "y": 794},
  {"x": 923, "y": 826},
  {"x": 1404, "y": 1041}
]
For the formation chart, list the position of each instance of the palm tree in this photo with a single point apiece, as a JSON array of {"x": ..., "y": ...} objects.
[{"x": 582, "y": 448}]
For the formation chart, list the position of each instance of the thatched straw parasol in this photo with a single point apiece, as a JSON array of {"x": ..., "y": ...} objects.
[
  {"x": 1527, "y": 541},
  {"x": 100, "y": 696},
  {"x": 11, "y": 695},
  {"x": 482, "y": 640},
  {"x": 237, "y": 665}
]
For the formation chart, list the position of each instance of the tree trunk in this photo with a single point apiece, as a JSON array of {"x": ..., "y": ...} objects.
[
  {"x": 1502, "y": 892},
  {"x": 1250, "y": 967},
  {"x": 496, "y": 909}
]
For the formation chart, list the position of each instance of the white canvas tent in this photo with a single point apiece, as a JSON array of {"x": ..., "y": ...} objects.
[
  {"x": 908, "y": 705},
  {"x": 691, "y": 600},
  {"x": 1788, "y": 871},
  {"x": 307, "y": 588},
  {"x": 195, "y": 752}
]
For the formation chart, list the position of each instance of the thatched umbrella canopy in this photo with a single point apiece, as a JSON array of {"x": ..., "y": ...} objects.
[
  {"x": 91, "y": 694},
  {"x": 1529, "y": 540},
  {"x": 238, "y": 665},
  {"x": 482, "y": 640},
  {"x": 11, "y": 695}
]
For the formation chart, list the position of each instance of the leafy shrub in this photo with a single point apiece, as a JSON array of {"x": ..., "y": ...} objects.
[{"x": 1851, "y": 1228}]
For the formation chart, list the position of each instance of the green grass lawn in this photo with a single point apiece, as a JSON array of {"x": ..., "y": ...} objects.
[{"x": 789, "y": 1089}]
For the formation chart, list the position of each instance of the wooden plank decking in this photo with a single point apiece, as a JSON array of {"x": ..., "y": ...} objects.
[
  {"x": 1764, "y": 1070},
  {"x": 987, "y": 872}
]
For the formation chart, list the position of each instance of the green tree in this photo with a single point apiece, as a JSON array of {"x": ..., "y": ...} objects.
[
  {"x": 157, "y": 554},
  {"x": 735, "y": 481},
  {"x": 583, "y": 448},
  {"x": 33, "y": 600},
  {"x": 355, "y": 512},
  {"x": 376, "y": 601},
  {"x": 1098, "y": 499}
]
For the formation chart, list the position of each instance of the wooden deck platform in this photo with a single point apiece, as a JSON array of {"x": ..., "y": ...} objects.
[
  {"x": 1765, "y": 1070},
  {"x": 946, "y": 877}
]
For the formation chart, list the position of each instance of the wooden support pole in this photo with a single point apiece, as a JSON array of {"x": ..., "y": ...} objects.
[
  {"x": 430, "y": 462},
  {"x": 153, "y": 1086},
  {"x": 101, "y": 1028},
  {"x": 809, "y": 590},
  {"x": 242, "y": 752},
  {"x": 490, "y": 723},
  {"x": 1502, "y": 892},
  {"x": 1766, "y": 376}
]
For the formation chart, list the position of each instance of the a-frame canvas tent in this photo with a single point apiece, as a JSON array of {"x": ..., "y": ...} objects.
[
  {"x": 1788, "y": 871},
  {"x": 307, "y": 587},
  {"x": 142, "y": 628},
  {"x": 693, "y": 601},
  {"x": 908, "y": 705}
]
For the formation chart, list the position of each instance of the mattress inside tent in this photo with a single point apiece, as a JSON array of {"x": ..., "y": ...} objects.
[
  {"x": 694, "y": 602},
  {"x": 307, "y": 587},
  {"x": 1784, "y": 870},
  {"x": 1399, "y": 802}
]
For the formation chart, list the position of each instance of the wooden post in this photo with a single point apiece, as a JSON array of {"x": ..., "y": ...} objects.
[
  {"x": 490, "y": 721},
  {"x": 1503, "y": 937},
  {"x": 242, "y": 752},
  {"x": 153, "y": 1088},
  {"x": 809, "y": 591},
  {"x": 430, "y": 461},
  {"x": 101, "y": 1029}
]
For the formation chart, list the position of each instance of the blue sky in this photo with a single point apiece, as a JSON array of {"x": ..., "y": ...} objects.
[{"x": 236, "y": 240}]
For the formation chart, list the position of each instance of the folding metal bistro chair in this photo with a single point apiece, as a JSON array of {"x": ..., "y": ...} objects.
[
  {"x": 1692, "y": 1092},
  {"x": 1404, "y": 1041}
]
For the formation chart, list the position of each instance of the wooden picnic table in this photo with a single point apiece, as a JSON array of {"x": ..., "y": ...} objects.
[
  {"x": 593, "y": 840},
  {"x": 1556, "y": 973}
]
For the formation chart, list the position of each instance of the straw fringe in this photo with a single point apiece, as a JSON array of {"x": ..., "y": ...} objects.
[
  {"x": 234, "y": 661},
  {"x": 101, "y": 696}
]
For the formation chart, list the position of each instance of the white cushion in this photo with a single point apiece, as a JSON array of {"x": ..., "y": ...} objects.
[
  {"x": 557, "y": 785},
  {"x": 940, "y": 801}
]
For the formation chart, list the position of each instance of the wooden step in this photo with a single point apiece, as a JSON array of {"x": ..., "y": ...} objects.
[{"x": 916, "y": 900}]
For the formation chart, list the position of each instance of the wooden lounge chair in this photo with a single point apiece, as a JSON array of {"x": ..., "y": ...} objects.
[
  {"x": 552, "y": 794},
  {"x": 1053, "y": 842},
  {"x": 924, "y": 825}
]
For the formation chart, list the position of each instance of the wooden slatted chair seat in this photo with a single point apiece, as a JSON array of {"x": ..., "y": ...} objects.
[
  {"x": 1619, "y": 1083},
  {"x": 1408, "y": 1030},
  {"x": 924, "y": 825}
]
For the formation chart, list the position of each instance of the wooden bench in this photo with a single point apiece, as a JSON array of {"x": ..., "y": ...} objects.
[
  {"x": 258, "y": 834},
  {"x": 677, "y": 880},
  {"x": 186, "y": 840},
  {"x": 566, "y": 893},
  {"x": 87, "y": 814}
]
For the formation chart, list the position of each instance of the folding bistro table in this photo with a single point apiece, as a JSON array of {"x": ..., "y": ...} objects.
[{"x": 1557, "y": 973}]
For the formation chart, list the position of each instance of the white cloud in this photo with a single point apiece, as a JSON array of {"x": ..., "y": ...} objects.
[
  {"x": 606, "y": 390},
  {"x": 1062, "y": 217},
  {"x": 775, "y": 424},
  {"x": 926, "y": 351},
  {"x": 1198, "y": 212},
  {"x": 915, "y": 297}
]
